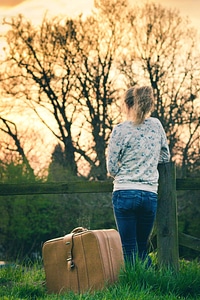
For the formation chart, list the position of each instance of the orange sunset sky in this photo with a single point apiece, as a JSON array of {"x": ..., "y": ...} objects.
[{"x": 35, "y": 9}]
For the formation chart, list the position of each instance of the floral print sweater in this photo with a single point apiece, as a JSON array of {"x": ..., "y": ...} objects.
[{"x": 134, "y": 152}]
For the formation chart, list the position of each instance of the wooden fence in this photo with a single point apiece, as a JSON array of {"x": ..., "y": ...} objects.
[{"x": 168, "y": 238}]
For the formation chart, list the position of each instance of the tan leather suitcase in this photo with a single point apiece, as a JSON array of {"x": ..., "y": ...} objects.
[{"x": 84, "y": 260}]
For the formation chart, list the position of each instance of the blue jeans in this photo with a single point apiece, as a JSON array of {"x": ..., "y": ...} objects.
[{"x": 135, "y": 212}]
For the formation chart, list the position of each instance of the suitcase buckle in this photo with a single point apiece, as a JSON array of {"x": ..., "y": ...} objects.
[{"x": 72, "y": 265}]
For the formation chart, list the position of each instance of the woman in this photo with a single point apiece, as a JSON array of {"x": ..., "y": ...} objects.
[{"x": 136, "y": 147}]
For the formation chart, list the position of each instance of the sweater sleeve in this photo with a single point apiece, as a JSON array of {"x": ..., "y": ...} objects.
[
  {"x": 114, "y": 151},
  {"x": 164, "y": 153}
]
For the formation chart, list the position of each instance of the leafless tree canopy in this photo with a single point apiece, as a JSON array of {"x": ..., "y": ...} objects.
[{"x": 71, "y": 73}]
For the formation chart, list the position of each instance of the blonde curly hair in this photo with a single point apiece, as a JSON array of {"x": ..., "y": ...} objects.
[{"x": 141, "y": 101}]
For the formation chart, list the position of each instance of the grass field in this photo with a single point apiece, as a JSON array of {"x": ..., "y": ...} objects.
[{"x": 27, "y": 281}]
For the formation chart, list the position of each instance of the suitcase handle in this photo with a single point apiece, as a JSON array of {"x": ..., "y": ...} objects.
[{"x": 79, "y": 229}]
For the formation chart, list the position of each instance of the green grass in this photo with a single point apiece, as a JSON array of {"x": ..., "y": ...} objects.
[{"x": 28, "y": 282}]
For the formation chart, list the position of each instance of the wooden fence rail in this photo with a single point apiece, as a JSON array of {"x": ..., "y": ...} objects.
[
  {"x": 168, "y": 238},
  {"x": 189, "y": 241},
  {"x": 79, "y": 187}
]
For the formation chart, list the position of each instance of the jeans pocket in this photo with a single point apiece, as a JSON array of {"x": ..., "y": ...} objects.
[
  {"x": 152, "y": 202},
  {"x": 125, "y": 200}
]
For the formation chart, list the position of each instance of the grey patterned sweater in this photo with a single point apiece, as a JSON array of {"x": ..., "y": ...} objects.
[{"x": 134, "y": 152}]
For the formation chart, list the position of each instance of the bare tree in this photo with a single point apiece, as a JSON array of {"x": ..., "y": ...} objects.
[
  {"x": 71, "y": 74},
  {"x": 163, "y": 53},
  {"x": 64, "y": 72},
  {"x": 100, "y": 38},
  {"x": 10, "y": 129},
  {"x": 39, "y": 72}
]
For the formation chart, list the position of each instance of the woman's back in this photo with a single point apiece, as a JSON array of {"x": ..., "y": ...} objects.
[{"x": 134, "y": 153}]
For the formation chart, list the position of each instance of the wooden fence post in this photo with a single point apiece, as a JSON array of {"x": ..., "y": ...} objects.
[{"x": 167, "y": 221}]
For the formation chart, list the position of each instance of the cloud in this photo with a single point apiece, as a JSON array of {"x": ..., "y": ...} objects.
[
  {"x": 36, "y": 9},
  {"x": 10, "y": 3}
]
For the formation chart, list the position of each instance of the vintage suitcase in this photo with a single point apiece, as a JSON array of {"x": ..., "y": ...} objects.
[{"x": 84, "y": 260}]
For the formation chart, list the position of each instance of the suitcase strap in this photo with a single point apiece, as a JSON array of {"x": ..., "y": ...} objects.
[
  {"x": 69, "y": 242},
  {"x": 73, "y": 276}
]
